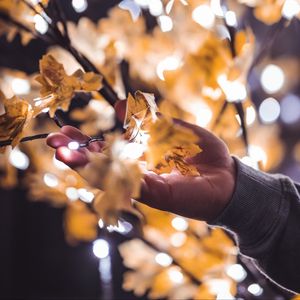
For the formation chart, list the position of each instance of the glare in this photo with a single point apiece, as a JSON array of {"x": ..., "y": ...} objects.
[
  {"x": 59, "y": 164},
  {"x": 85, "y": 195},
  {"x": 290, "y": 9},
  {"x": 101, "y": 248},
  {"x": 170, "y": 63},
  {"x": 122, "y": 227},
  {"x": 165, "y": 23},
  {"x": 250, "y": 116},
  {"x": 233, "y": 90},
  {"x": 19, "y": 159},
  {"x": 269, "y": 110},
  {"x": 178, "y": 239},
  {"x": 40, "y": 24},
  {"x": 50, "y": 180},
  {"x": 272, "y": 79},
  {"x": 72, "y": 193},
  {"x": 20, "y": 86},
  {"x": 290, "y": 109},
  {"x": 175, "y": 275},
  {"x": 258, "y": 154},
  {"x": 255, "y": 289},
  {"x": 216, "y": 7},
  {"x": 180, "y": 224},
  {"x": 203, "y": 116},
  {"x": 73, "y": 145},
  {"x": 133, "y": 150},
  {"x": 204, "y": 16},
  {"x": 79, "y": 5},
  {"x": 230, "y": 18},
  {"x": 236, "y": 272},
  {"x": 163, "y": 259}
]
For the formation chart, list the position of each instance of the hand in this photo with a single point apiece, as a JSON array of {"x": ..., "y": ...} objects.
[{"x": 202, "y": 197}]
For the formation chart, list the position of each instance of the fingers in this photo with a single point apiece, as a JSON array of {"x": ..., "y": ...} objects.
[{"x": 120, "y": 108}]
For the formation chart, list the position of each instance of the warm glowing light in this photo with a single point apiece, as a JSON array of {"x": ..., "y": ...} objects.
[
  {"x": 170, "y": 63},
  {"x": 85, "y": 195},
  {"x": 255, "y": 289},
  {"x": 290, "y": 109},
  {"x": 20, "y": 86},
  {"x": 175, "y": 275},
  {"x": 72, "y": 193},
  {"x": 165, "y": 23},
  {"x": 155, "y": 7},
  {"x": 101, "y": 223},
  {"x": 73, "y": 145},
  {"x": 269, "y": 110},
  {"x": 272, "y": 79},
  {"x": 50, "y": 180},
  {"x": 163, "y": 259},
  {"x": 178, "y": 239},
  {"x": 203, "y": 116},
  {"x": 221, "y": 288},
  {"x": 79, "y": 5},
  {"x": 216, "y": 7},
  {"x": 230, "y": 18},
  {"x": 250, "y": 116},
  {"x": 249, "y": 161},
  {"x": 233, "y": 90},
  {"x": 180, "y": 224},
  {"x": 258, "y": 154},
  {"x": 133, "y": 150},
  {"x": 236, "y": 272},
  {"x": 204, "y": 16},
  {"x": 101, "y": 248},
  {"x": 291, "y": 8},
  {"x": 19, "y": 159},
  {"x": 40, "y": 24}
]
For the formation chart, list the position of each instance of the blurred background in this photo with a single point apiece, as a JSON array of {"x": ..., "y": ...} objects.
[{"x": 38, "y": 261}]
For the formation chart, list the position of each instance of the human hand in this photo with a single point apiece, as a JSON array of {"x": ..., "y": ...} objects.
[{"x": 199, "y": 197}]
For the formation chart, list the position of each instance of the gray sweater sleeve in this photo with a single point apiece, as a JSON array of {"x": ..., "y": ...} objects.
[{"x": 264, "y": 215}]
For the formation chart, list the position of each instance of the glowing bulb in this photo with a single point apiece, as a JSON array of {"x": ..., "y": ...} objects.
[
  {"x": 233, "y": 90},
  {"x": 101, "y": 248},
  {"x": 204, "y": 16},
  {"x": 20, "y": 86},
  {"x": 133, "y": 150},
  {"x": 155, "y": 7},
  {"x": 180, "y": 224},
  {"x": 101, "y": 223},
  {"x": 230, "y": 18},
  {"x": 79, "y": 5},
  {"x": 269, "y": 110},
  {"x": 255, "y": 289},
  {"x": 85, "y": 195},
  {"x": 250, "y": 116},
  {"x": 73, "y": 145},
  {"x": 19, "y": 159},
  {"x": 203, "y": 116},
  {"x": 163, "y": 259},
  {"x": 290, "y": 109},
  {"x": 72, "y": 193},
  {"x": 175, "y": 275},
  {"x": 258, "y": 154},
  {"x": 178, "y": 239},
  {"x": 170, "y": 63},
  {"x": 50, "y": 180},
  {"x": 216, "y": 7},
  {"x": 40, "y": 24},
  {"x": 291, "y": 8},
  {"x": 249, "y": 161},
  {"x": 272, "y": 79},
  {"x": 236, "y": 272},
  {"x": 165, "y": 23}
]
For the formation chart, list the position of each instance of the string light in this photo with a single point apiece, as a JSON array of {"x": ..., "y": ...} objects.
[
  {"x": 155, "y": 7},
  {"x": 290, "y": 9},
  {"x": 236, "y": 272},
  {"x": 20, "y": 86},
  {"x": 101, "y": 248},
  {"x": 255, "y": 289},
  {"x": 40, "y": 24},
  {"x": 85, "y": 195},
  {"x": 79, "y": 5},
  {"x": 178, "y": 239},
  {"x": 170, "y": 63},
  {"x": 233, "y": 90},
  {"x": 19, "y": 159},
  {"x": 73, "y": 145},
  {"x": 230, "y": 18},
  {"x": 180, "y": 224},
  {"x": 290, "y": 109},
  {"x": 72, "y": 193},
  {"x": 216, "y": 7},
  {"x": 272, "y": 79},
  {"x": 163, "y": 259},
  {"x": 175, "y": 275},
  {"x": 165, "y": 23},
  {"x": 50, "y": 180},
  {"x": 269, "y": 110},
  {"x": 250, "y": 116},
  {"x": 204, "y": 16}
]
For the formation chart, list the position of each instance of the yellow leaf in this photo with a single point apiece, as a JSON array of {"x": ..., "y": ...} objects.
[
  {"x": 80, "y": 223},
  {"x": 12, "y": 123},
  {"x": 169, "y": 144}
]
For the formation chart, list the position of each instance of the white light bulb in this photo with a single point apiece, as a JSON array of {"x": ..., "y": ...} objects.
[
  {"x": 216, "y": 7},
  {"x": 163, "y": 259},
  {"x": 258, "y": 154},
  {"x": 175, "y": 275},
  {"x": 203, "y": 115},
  {"x": 178, "y": 239},
  {"x": 291, "y": 8},
  {"x": 50, "y": 180},
  {"x": 40, "y": 24},
  {"x": 230, "y": 18},
  {"x": 272, "y": 79},
  {"x": 19, "y": 159},
  {"x": 101, "y": 248},
  {"x": 236, "y": 272},
  {"x": 155, "y": 7},
  {"x": 255, "y": 289},
  {"x": 73, "y": 145},
  {"x": 20, "y": 86},
  {"x": 180, "y": 224},
  {"x": 165, "y": 23},
  {"x": 170, "y": 63},
  {"x": 79, "y": 5},
  {"x": 269, "y": 110},
  {"x": 85, "y": 195},
  {"x": 72, "y": 193},
  {"x": 290, "y": 109},
  {"x": 204, "y": 16}
]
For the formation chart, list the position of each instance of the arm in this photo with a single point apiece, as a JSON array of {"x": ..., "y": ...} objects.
[{"x": 264, "y": 214}]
